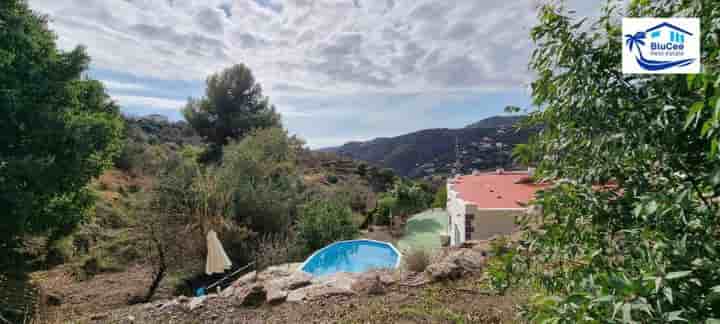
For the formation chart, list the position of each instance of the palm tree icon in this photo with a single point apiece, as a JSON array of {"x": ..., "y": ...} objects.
[{"x": 635, "y": 40}]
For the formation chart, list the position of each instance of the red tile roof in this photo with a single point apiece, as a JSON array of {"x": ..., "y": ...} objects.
[{"x": 492, "y": 190}]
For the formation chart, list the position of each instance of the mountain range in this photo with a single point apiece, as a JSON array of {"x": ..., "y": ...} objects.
[{"x": 484, "y": 145}]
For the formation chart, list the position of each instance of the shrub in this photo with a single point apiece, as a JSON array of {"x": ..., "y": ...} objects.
[
  {"x": 417, "y": 260},
  {"x": 386, "y": 204},
  {"x": 440, "y": 200},
  {"x": 275, "y": 249},
  {"x": 332, "y": 179},
  {"x": 323, "y": 222}
]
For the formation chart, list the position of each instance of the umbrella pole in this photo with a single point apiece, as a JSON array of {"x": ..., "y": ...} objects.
[{"x": 230, "y": 275}]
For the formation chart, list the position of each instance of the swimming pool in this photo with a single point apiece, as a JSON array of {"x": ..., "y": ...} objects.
[{"x": 352, "y": 256}]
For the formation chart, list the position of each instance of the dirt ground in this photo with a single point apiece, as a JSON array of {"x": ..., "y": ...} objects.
[
  {"x": 102, "y": 293},
  {"x": 464, "y": 301}
]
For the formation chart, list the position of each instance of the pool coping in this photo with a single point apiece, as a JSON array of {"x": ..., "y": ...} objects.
[{"x": 392, "y": 246}]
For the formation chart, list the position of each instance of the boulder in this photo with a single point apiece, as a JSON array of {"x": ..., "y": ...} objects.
[
  {"x": 195, "y": 303},
  {"x": 467, "y": 260},
  {"x": 317, "y": 291},
  {"x": 250, "y": 295},
  {"x": 282, "y": 270},
  {"x": 247, "y": 278},
  {"x": 443, "y": 270},
  {"x": 342, "y": 280},
  {"x": 275, "y": 294},
  {"x": 54, "y": 299},
  {"x": 277, "y": 289},
  {"x": 371, "y": 285}
]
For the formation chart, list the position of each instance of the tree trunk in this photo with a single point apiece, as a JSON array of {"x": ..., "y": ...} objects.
[
  {"x": 159, "y": 275},
  {"x": 161, "y": 266}
]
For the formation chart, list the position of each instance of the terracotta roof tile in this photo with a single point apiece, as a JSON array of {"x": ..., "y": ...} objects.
[{"x": 493, "y": 190}]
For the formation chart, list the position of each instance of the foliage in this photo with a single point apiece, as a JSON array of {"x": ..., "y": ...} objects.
[
  {"x": 410, "y": 197},
  {"x": 385, "y": 206},
  {"x": 261, "y": 175},
  {"x": 275, "y": 249},
  {"x": 417, "y": 260},
  {"x": 233, "y": 106},
  {"x": 630, "y": 235},
  {"x": 148, "y": 142},
  {"x": 440, "y": 200},
  {"x": 323, "y": 222},
  {"x": 526, "y": 154},
  {"x": 58, "y": 129},
  {"x": 404, "y": 198}
]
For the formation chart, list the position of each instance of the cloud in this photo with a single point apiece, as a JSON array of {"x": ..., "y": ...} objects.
[
  {"x": 115, "y": 85},
  {"x": 314, "y": 58},
  {"x": 149, "y": 102}
]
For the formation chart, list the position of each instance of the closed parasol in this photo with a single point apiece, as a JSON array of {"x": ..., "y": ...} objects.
[{"x": 217, "y": 259}]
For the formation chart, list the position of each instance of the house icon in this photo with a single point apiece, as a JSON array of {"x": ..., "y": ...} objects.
[{"x": 666, "y": 32}]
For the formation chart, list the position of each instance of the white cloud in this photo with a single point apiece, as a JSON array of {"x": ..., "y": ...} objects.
[
  {"x": 122, "y": 86},
  {"x": 336, "y": 69},
  {"x": 333, "y": 45},
  {"x": 149, "y": 102}
]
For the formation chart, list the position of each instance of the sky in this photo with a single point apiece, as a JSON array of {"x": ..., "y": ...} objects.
[{"x": 337, "y": 70}]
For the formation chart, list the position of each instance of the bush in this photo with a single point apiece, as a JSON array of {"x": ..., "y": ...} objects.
[
  {"x": 384, "y": 208},
  {"x": 275, "y": 249},
  {"x": 417, "y": 260},
  {"x": 332, "y": 179},
  {"x": 323, "y": 222},
  {"x": 261, "y": 176},
  {"x": 440, "y": 200}
]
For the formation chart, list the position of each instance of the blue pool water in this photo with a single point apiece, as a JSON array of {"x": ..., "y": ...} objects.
[{"x": 351, "y": 256}]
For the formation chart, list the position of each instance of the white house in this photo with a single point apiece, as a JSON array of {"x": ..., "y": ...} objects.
[{"x": 486, "y": 204}]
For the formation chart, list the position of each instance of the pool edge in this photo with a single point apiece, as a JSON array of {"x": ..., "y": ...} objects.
[{"x": 397, "y": 264}]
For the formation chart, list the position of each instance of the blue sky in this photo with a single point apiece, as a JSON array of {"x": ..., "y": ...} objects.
[{"x": 337, "y": 70}]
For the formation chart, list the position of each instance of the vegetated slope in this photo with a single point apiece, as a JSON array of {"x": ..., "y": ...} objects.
[{"x": 483, "y": 145}]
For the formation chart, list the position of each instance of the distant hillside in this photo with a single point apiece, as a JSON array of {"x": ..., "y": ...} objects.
[
  {"x": 496, "y": 122},
  {"x": 483, "y": 145}
]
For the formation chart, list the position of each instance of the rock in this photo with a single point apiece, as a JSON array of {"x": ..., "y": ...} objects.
[
  {"x": 277, "y": 289},
  {"x": 54, "y": 299},
  {"x": 100, "y": 316},
  {"x": 250, "y": 295},
  {"x": 195, "y": 303},
  {"x": 472, "y": 243},
  {"x": 443, "y": 270},
  {"x": 342, "y": 280},
  {"x": 371, "y": 286},
  {"x": 275, "y": 294},
  {"x": 317, "y": 291},
  {"x": 468, "y": 260},
  {"x": 282, "y": 270},
  {"x": 247, "y": 278}
]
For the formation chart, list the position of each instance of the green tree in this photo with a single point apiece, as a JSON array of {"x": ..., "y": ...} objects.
[
  {"x": 57, "y": 129},
  {"x": 630, "y": 234},
  {"x": 263, "y": 178},
  {"x": 323, "y": 222},
  {"x": 233, "y": 106}
]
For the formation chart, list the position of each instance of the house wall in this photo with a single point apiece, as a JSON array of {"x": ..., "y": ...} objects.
[
  {"x": 457, "y": 209},
  {"x": 489, "y": 222}
]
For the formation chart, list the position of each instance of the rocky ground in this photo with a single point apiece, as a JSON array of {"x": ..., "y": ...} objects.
[{"x": 451, "y": 290}]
